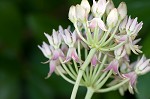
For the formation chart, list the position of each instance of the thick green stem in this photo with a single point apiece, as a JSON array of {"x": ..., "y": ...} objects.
[
  {"x": 89, "y": 93},
  {"x": 81, "y": 71}
]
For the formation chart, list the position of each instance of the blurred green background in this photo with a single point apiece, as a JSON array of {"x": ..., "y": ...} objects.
[{"x": 22, "y": 24}]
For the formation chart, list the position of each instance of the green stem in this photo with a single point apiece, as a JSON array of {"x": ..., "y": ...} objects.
[
  {"x": 64, "y": 77},
  {"x": 113, "y": 87},
  {"x": 89, "y": 93},
  {"x": 113, "y": 34},
  {"x": 89, "y": 35},
  {"x": 78, "y": 32},
  {"x": 76, "y": 67},
  {"x": 101, "y": 78},
  {"x": 95, "y": 76},
  {"x": 104, "y": 80},
  {"x": 67, "y": 70},
  {"x": 72, "y": 70},
  {"x": 113, "y": 48},
  {"x": 105, "y": 36},
  {"x": 81, "y": 71},
  {"x": 96, "y": 32},
  {"x": 79, "y": 49}
]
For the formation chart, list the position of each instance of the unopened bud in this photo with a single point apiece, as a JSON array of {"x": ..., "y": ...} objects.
[
  {"x": 122, "y": 10},
  {"x": 80, "y": 13},
  {"x": 72, "y": 14},
  {"x": 85, "y": 4},
  {"x": 112, "y": 18},
  {"x": 109, "y": 7}
]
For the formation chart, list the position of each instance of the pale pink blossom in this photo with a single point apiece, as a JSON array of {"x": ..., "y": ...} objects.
[
  {"x": 142, "y": 66},
  {"x": 46, "y": 50},
  {"x": 99, "y": 7},
  {"x": 55, "y": 39},
  {"x": 114, "y": 65},
  {"x": 97, "y": 22},
  {"x": 72, "y": 54},
  {"x": 132, "y": 76}
]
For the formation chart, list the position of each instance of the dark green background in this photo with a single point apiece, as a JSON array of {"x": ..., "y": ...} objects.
[{"x": 22, "y": 24}]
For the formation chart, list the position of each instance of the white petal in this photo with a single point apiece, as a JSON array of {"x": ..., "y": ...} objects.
[
  {"x": 68, "y": 37},
  {"x": 134, "y": 23},
  {"x": 49, "y": 38}
]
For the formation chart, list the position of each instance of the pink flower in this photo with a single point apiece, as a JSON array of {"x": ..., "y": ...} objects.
[
  {"x": 46, "y": 50},
  {"x": 99, "y": 7},
  {"x": 114, "y": 65},
  {"x": 72, "y": 54},
  {"x": 132, "y": 76},
  {"x": 142, "y": 66},
  {"x": 55, "y": 39},
  {"x": 133, "y": 26},
  {"x": 69, "y": 38},
  {"x": 121, "y": 38},
  {"x": 98, "y": 22},
  {"x": 57, "y": 53},
  {"x": 52, "y": 66}
]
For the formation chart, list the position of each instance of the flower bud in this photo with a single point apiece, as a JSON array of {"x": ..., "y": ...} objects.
[
  {"x": 72, "y": 14},
  {"x": 85, "y": 4},
  {"x": 112, "y": 18},
  {"x": 80, "y": 13},
  {"x": 109, "y": 7},
  {"x": 122, "y": 10}
]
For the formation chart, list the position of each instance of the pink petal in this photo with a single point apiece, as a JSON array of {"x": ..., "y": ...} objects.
[
  {"x": 113, "y": 66},
  {"x": 93, "y": 23},
  {"x": 52, "y": 66},
  {"x": 132, "y": 76},
  {"x": 55, "y": 54},
  {"x": 74, "y": 55},
  {"x": 94, "y": 60},
  {"x": 102, "y": 25}
]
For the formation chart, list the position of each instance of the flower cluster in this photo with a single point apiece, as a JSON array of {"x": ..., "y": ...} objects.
[{"x": 98, "y": 48}]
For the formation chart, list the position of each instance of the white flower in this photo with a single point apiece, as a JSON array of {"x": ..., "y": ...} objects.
[
  {"x": 133, "y": 27},
  {"x": 142, "y": 66},
  {"x": 69, "y": 38},
  {"x": 98, "y": 8},
  {"x": 46, "y": 50},
  {"x": 55, "y": 39}
]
